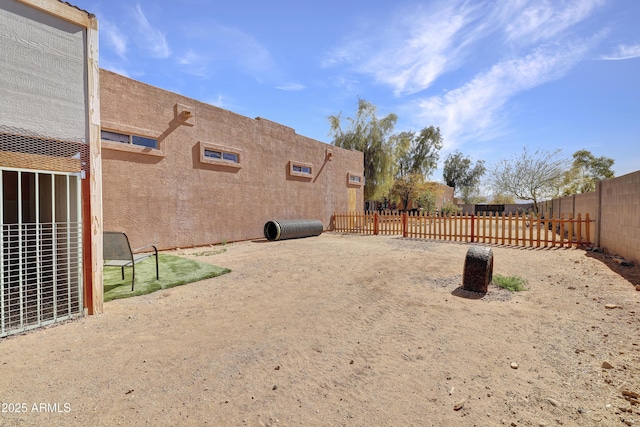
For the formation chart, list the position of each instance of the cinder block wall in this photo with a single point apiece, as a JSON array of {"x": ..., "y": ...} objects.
[
  {"x": 171, "y": 197},
  {"x": 620, "y": 216},
  {"x": 615, "y": 210}
]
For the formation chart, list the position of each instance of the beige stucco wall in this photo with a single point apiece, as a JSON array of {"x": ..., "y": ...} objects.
[{"x": 169, "y": 196}]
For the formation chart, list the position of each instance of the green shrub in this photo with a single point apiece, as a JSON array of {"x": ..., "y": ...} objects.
[
  {"x": 512, "y": 283},
  {"x": 450, "y": 208}
]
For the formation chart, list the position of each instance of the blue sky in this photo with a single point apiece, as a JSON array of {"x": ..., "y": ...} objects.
[{"x": 494, "y": 75}]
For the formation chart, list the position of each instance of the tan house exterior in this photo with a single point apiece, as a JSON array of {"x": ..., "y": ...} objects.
[{"x": 210, "y": 175}]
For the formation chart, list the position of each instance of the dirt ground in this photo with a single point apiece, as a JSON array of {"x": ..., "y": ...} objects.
[{"x": 344, "y": 330}]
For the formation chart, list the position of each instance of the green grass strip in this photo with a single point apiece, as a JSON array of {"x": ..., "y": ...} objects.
[
  {"x": 512, "y": 283},
  {"x": 174, "y": 271}
]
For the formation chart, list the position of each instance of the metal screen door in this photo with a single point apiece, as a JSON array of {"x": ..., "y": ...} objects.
[{"x": 40, "y": 248}]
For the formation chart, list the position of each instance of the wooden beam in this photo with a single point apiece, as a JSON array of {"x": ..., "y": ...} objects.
[
  {"x": 95, "y": 169},
  {"x": 63, "y": 11}
]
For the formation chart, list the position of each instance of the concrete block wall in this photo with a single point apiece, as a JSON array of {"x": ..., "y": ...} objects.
[
  {"x": 614, "y": 209},
  {"x": 620, "y": 216},
  {"x": 171, "y": 196}
]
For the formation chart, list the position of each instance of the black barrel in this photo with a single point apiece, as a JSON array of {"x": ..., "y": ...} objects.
[{"x": 292, "y": 229}]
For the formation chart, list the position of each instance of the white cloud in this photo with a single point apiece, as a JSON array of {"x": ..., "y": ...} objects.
[
  {"x": 413, "y": 50},
  {"x": 475, "y": 110},
  {"x": 541, "y": 20},
  {"x": 291, "y": 87},
  {"x": 114, "y": 37},
  {"x": 623, "y": 51},
  {"x": 150, "y": 38},
  {"x": 196, "y": 64}
]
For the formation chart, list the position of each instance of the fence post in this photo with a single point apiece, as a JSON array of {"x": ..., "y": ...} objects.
[
  {"x": 404, "y": 224},
  {"x": 375, "y": 223},
  {"x": 472, "y": 228}
]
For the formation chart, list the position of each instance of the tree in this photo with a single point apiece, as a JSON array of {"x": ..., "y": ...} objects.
[
  {"x": 417, "y": 157},
  {"x": 427, "y": 201},
  {"x": 585, "y": 171},
  {"x": 418, "y": 154},
  {"x": 530, "y": 176},
  {"x": 407, "y": 188},
  {"x": 502, "y": 199},
  {"x": 459, "y": 174},
  {"x": 370, "y": 135}
]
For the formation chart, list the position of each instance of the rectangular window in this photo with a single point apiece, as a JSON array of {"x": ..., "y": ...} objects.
[
  {"x": 302, "y": 169},
  {"x": 143, "y": 141},
  {"x": 299, "y": 169},
  {"x": 219, "y": 155},
  {"x": 354, "y": 179}
]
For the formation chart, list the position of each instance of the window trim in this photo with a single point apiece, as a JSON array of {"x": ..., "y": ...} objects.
[
  {"x": 293, "y": 165},
  {"x": 204, "y": 146},
  {"x": 351, "y": 179},
  {"x": 130, "y": 146}
]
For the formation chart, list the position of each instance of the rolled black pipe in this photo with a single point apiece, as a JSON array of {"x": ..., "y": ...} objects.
[{"x": 292, "y": 229}]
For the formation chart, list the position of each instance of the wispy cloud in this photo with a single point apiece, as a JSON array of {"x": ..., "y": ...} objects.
[
  {"x": 291, "y": 87},
  {"x": 196, "y": 64},
  {"x": 114, "y": 38},
  {"x": 413, "y": 50},
  {"x": 475, "y": 110},
  {"x": 623, "y": 51},
  {"x": 213, "y": 45},
  {"x": 541, "y": 20},
  {"x": 150, "y": 38}
]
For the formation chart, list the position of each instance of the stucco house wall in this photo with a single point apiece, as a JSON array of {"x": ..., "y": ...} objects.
[{"x": 173, "y": 196}]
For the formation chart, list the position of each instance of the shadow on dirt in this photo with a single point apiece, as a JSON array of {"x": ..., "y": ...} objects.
[{"x": 629, "y": 272}]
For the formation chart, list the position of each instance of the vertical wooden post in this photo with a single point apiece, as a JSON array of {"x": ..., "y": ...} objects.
[
  {"x": 491, "y": 227},
  {"x": 587, "y": 227},
  {"x": 531, "y": 226},
  {"x": 96, "y": 304},
  {"x": 472, "y": 228},
  {"x": 455, "y": 227},
  {"x": 572, "y": 241},
  {"x": 503, "y": 224},
  {"x": 404, "y": 224},
  {"x": 562, "y": 223},
  {"x": 375, "y": 223}
]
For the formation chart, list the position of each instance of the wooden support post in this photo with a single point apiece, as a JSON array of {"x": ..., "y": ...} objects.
[{"x": 404, "y": 224}]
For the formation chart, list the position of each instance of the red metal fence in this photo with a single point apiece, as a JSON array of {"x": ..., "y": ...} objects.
[{"x": 511, "y": 229}]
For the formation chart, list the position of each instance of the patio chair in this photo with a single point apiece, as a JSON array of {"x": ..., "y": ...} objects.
[{"x": 117, "y": 252}]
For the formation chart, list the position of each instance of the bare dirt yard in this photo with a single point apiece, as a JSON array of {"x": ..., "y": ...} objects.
[{"x": 345, "y": 330}]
